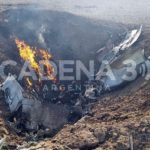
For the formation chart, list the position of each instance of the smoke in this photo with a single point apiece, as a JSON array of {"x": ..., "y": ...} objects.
[{"x": 127, "y": 11}]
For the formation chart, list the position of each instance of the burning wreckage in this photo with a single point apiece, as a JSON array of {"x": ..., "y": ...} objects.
[{"x": 32, "y": 113}]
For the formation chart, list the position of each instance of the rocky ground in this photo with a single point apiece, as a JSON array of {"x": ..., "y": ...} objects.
[{"x": 115, "y": 123}]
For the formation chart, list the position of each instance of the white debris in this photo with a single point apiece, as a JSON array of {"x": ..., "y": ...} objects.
[
  {"x": 117, "y": 51},
  {"x": 2, "y": 142},
  {"x": 130, "y": 39},
  {"x": 13, "y": 92},
  {"x": 90, "y": 93}
]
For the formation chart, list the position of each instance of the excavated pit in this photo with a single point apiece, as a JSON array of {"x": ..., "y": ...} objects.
[{"x": 64, "y": 35}]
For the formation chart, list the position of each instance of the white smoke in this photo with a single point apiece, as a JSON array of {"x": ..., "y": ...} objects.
[{"x": 125, "y": 11}]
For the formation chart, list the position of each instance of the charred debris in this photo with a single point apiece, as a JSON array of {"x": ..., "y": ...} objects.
[{"x": 32, "y": 110}]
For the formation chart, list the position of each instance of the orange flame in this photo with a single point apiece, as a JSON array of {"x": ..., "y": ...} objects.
[
  {"x": 27, "y": 54},
  {"x": 49, "y": 68},
  {"x": 30, "y": 54},
  {"x": 45, "y": 54}
]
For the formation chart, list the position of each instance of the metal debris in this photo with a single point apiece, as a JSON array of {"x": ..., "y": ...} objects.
[
  {"x": 117, "y": 51},
  {"x": 106, "y": 83}
]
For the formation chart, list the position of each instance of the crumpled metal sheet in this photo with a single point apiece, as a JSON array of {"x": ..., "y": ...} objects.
[
  {"x": 117, "y": 51},
  {"x": 13, "y": 92}
]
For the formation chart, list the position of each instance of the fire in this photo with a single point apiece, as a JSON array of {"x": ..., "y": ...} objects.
[
  {"x": 49, "y": 68},
  {"x": 31, "y": 55},
  {"x": 27, "y": 54},
  {"x": 45, "y": 55}
]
